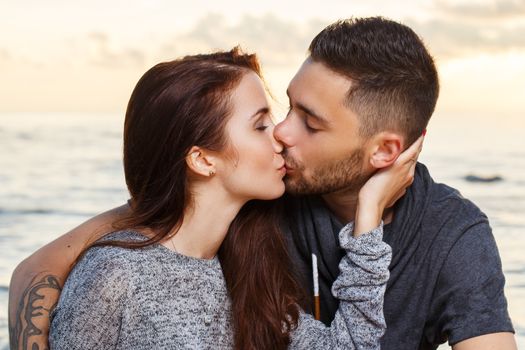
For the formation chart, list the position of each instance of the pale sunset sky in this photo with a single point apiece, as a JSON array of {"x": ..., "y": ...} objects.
[{"x": 86, "y": 56}]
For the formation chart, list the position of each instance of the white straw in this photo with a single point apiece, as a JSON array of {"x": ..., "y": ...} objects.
[{"x": 316, "y": 276}]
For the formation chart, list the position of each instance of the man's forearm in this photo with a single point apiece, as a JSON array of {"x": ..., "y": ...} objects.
[
  {"x": 37, "y": 281},
  {"x": 494, "y": 341},
  {"x": 30, "y": 305}
]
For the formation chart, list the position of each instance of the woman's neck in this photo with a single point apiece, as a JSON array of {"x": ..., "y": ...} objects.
[{"x": 205, "y": 223}]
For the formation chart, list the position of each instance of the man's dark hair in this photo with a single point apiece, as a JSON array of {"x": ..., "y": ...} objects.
[{"x": 394, "y": 80}]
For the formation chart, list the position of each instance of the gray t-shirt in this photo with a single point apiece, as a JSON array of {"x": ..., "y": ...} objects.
[
  {"x": 154, "y": 298},
  {"x": 446, "y": 280}
]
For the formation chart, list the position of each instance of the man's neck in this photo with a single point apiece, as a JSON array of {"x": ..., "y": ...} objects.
[{"x": 343, "y": 204}]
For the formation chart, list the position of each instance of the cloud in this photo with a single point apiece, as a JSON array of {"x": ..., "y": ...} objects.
[
  {"x": 101, "y": 52},
  {"x": 280, "y": 42},
  {"x": 459, "y": 28},
  {"x": 8, "y": 60},
  {"x": 283, "y": 43},
  {"x": 495, "y": 10},
  {"x": 4, "y": 54},
  {"x": 448, "y": 38},
  {"x": 274, "y": 39},
  {"x": 5, "y": 59}
]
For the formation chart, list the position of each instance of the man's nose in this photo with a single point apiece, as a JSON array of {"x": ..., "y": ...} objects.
[
  {"x": 277, "y": 146},
  {"x": 281, "y": 133}
]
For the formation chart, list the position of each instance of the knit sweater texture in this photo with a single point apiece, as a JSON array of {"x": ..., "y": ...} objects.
[{"x": 155, "y": 298}]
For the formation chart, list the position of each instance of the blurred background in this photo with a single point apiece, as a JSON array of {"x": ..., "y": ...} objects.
[{"x": 67, "y": 69}]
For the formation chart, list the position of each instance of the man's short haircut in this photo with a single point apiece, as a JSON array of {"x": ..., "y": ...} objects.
[{"x": 394, "y": 80}]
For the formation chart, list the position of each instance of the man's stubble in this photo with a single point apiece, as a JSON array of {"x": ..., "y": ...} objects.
[{"x": 344, "y": 174}]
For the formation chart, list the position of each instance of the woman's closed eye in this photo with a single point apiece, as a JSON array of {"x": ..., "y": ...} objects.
[{"x": 264, "y": 122}]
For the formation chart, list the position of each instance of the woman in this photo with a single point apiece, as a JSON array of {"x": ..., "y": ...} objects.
[{"x": 200, "y": 262}]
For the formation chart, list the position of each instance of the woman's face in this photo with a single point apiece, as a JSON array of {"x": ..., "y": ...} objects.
[{"x": 252, "y": 167}]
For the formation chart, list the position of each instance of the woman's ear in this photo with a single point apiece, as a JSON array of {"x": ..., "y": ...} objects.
[
  {"x": 386, "y": 147},
  {"x": 200, "y": 162}
]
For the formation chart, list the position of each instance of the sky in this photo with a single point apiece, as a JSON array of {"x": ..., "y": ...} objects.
[{"x": 86, "y": 56}]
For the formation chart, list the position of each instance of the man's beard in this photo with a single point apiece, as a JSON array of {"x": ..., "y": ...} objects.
[{"x": 337, "y": 175}]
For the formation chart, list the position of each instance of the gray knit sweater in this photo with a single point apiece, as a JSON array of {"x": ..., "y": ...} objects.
[{"x": 154, "y": 298}]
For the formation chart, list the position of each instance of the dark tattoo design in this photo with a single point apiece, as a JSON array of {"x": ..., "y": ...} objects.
[{"x": 32, "y": 315}]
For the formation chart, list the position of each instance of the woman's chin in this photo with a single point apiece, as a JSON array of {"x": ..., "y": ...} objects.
[{"x": 273, "y": 192}]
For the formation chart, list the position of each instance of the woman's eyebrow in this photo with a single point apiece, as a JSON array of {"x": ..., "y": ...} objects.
[{"x": 263, "y": 110}]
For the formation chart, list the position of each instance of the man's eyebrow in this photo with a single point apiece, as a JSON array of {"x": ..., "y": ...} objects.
[
  {"x": 309, "y": 111},
  {"x": 263, "y": 110}
]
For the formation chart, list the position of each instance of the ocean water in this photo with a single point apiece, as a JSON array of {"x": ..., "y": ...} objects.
[{"x": 57, "y": 170}]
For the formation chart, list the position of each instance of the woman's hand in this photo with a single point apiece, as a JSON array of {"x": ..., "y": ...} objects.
[{"x": 384, "y": 188}]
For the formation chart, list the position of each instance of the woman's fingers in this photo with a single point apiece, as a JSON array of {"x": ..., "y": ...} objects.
[{"x": 411, "y": 154}]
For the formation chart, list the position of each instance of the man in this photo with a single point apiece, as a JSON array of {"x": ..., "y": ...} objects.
[{"x": 366, "y": 91}]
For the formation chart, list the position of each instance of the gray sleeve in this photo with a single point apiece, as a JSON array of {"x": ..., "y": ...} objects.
[
  {"x": 88, "y": 314},
  {"x": 359, "y": 322}
]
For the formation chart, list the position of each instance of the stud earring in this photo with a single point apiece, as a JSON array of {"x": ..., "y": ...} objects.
[{"x": 212, "y": 172}]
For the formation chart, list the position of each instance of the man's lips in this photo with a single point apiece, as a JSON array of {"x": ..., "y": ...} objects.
[{"x": 290, "y": 166}]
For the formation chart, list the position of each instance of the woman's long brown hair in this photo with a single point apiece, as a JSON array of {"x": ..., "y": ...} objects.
[
  {"x": 265, "y": 295},
  {"x": 185, "y": 103}
]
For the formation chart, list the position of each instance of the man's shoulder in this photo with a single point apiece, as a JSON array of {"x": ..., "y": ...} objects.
[
  {"x": 446, "y": 215},
  {"x": 448, "y": 202},
  {"x": 453, "y": 222}
]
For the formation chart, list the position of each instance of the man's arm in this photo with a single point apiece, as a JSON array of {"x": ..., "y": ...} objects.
[
  {"x": 37, "y": 281},
  {"x": 494, "y": 341}
]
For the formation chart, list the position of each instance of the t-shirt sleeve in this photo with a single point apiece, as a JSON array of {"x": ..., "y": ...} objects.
[
  {"x": 88, "y": 314},
  {"x": 469, "y": 299}
]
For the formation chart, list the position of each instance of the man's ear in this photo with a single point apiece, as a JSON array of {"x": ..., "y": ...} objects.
[
  {"x": 386, "y": 147},
  {"x": 201, "y": 162}
]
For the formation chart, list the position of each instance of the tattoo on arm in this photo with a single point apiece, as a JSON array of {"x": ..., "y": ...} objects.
[{"x": 31, "y": 324}]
